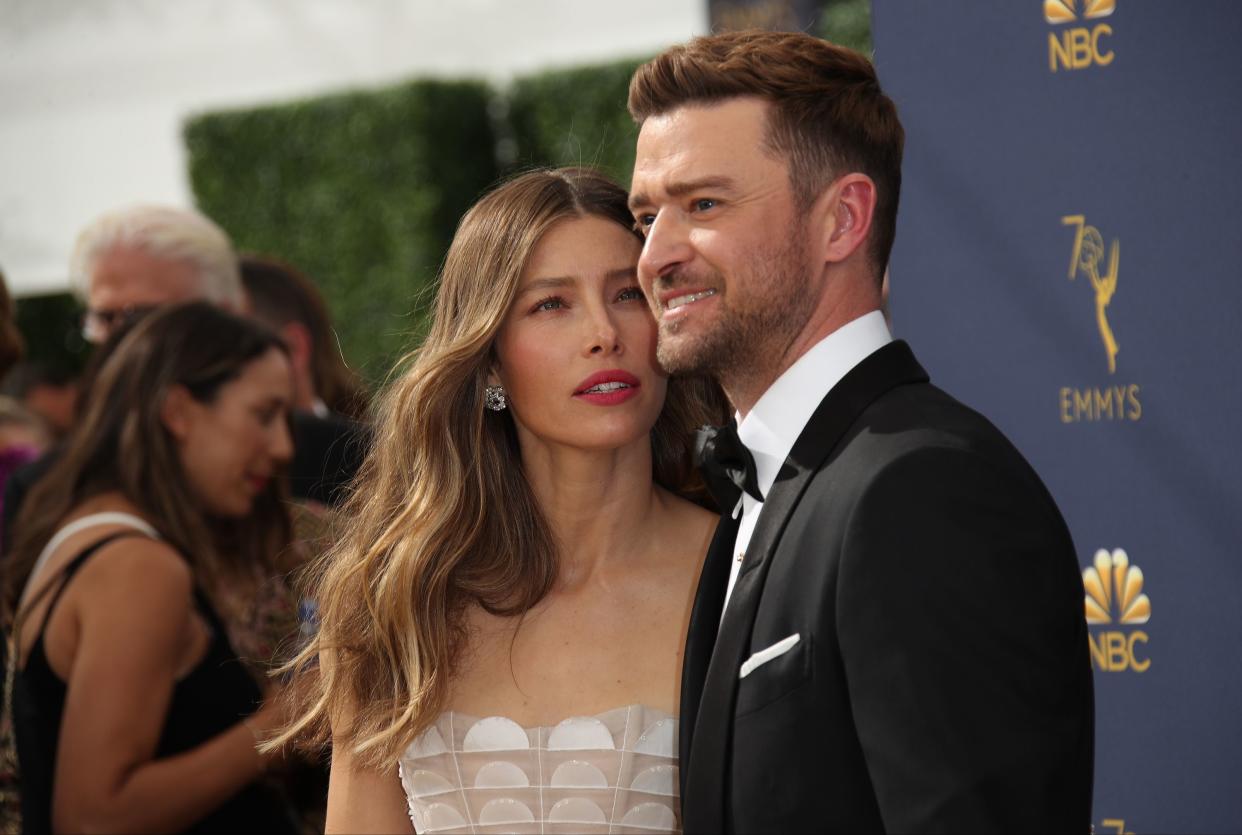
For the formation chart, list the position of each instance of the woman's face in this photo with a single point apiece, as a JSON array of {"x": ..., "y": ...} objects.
[
  {"x": 233, "y": 446},
  {"x": 576, "y": 353}
]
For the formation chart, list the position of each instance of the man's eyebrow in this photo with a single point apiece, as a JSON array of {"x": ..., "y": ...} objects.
[{"x": 682, "y": 188}]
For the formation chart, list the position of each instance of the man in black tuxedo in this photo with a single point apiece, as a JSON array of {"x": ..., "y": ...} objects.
[
  {"x": 888, "y": 633},
  {"x": 329, "y": 444}
]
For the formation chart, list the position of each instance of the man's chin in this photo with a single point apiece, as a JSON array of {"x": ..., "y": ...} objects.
[{"x": 681, "y": 354}]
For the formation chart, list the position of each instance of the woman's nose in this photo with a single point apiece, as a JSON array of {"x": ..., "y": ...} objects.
[
  {"x": 604, "y": 337},
  {"x": 281, "y": 444}
]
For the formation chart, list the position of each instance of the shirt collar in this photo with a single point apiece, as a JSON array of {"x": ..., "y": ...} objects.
[{"x": 778, "y": 418}]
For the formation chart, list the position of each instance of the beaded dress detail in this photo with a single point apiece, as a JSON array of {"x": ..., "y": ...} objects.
[{"x": 615, "y": 772}]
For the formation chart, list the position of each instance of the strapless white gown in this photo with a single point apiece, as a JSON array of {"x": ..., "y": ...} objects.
[{"x": 609, "y": 773}]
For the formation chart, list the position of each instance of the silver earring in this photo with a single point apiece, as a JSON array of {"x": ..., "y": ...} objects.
[{"x": 494, "y": 398}]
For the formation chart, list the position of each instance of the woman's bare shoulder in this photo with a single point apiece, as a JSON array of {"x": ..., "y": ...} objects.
[
  {"x": 689, "y": 527},
  {"x": 140, "y": 562},
  {"x": 685, "y": 511}
]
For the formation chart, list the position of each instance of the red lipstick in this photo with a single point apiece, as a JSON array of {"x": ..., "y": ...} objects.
[{"x": 608, "y": 388}]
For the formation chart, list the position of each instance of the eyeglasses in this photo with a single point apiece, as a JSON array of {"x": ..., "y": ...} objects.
[{"x": 98, "y": 325}]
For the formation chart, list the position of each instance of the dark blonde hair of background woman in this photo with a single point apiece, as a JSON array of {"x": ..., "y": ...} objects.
[{"x": 120, "y": 443}]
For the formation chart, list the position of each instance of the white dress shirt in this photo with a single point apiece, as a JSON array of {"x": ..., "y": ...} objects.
[{"x": 780, "y": 415}]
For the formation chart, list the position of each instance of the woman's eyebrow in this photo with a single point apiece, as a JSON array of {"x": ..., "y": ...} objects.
[
  {"x": 560, "y": 282},
  {"x": 621, "y": 273},
  {"x": 549, "y": 283}
]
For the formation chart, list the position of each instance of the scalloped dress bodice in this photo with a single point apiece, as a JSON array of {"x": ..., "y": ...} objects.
[{"x": 615, "y": 772}]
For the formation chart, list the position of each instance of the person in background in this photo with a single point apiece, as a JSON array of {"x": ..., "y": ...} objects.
[
  {"x": 136, "y": 258},
  {"x": 288, "y": 302},
  {"x": 125, "y": 263},
  {"x": 12, "y": 346},
  {"x": 21, "y": 428},
  {"x": 132, "y": 710},
  {"x": 329, "y": 441},
  {"x": 329, "y": 445},
  {"x": 47, "y": 391},
  {"x": 23, "y": 437}
]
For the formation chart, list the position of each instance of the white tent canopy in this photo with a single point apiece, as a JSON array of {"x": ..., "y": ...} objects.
[{"x": 94, "y": 92}]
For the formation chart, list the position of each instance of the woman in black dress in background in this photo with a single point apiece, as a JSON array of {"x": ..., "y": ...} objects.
[{"x": 131, "y": 710}]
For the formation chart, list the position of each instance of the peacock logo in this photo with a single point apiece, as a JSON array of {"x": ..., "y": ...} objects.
[
  {"x": 1115, "y": 587},
  {"x": 1066, "y": 11},
  {"x": 1115, "y": 595}
]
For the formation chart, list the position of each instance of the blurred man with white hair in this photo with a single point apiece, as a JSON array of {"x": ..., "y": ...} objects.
[
  {"x": 132, "y": 259},
  {"x": 127, "y": 262}
]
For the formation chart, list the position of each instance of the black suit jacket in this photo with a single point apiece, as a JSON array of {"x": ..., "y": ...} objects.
[
  {"x": 941, "y": 679},
  {"x": 327, "y": 453}
]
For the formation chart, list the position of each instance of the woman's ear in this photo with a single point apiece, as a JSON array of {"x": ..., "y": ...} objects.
[
  {"x": 177, "y": 411},
  {"x": 493, "y": 374}
]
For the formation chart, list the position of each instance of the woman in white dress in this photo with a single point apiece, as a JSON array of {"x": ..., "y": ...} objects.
[{"x": 503, "y": 620}]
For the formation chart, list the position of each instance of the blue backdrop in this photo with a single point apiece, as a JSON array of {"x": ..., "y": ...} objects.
[{"x": 1067, "y": 261}]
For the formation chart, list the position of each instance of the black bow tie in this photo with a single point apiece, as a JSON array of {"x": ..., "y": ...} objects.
[{"x": 726, "y": 464}]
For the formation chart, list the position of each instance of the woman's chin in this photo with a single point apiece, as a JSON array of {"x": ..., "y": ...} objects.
[
  {"x": 231, "y": 508},
  {"x": 614, "y": 438}
]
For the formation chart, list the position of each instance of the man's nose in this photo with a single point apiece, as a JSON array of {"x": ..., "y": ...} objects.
[{"x": 666, "y": 247}]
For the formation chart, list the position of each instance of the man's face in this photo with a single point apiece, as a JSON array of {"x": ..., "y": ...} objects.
[
  {"x": 128, "y": 280},
  {"x": 725, "y": 265}
]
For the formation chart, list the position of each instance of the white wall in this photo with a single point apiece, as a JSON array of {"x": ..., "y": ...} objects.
[{"x": 93, "y": 92}]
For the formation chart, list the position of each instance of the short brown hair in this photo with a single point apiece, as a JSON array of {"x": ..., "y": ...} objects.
[
  {"x": 828, "y": 114},
  {"x": 279, "y": 294}
]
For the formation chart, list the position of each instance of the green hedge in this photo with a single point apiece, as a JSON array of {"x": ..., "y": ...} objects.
[
  {"x": 847, "y": 22},
  {"x": 51, "y": 326},
  {"x": 575, "y": 117},
  {"x": 361, "y": 191}
]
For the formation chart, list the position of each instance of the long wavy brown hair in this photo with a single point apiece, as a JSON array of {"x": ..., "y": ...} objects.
[
  {"x": 442, "y": 517},
  {"x": 120, "y": 444}
]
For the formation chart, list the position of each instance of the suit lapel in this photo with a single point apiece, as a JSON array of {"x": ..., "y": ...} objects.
[
  {"x": 888, "y": 367},
  {"x": 705, "y": 779},
  {"x": 704, "y": 623}
]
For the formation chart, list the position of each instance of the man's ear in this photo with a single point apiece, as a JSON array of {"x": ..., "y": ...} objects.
[
  {"x": 176, "y": 412},
  {"x": 844, "y": 213},
  {"x": 297, "y": 339}
]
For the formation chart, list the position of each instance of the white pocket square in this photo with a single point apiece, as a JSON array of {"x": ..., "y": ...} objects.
[{"x": 763, "y": 656}]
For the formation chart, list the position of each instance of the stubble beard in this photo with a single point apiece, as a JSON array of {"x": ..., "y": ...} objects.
[{"x": 753, "y": 328}]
